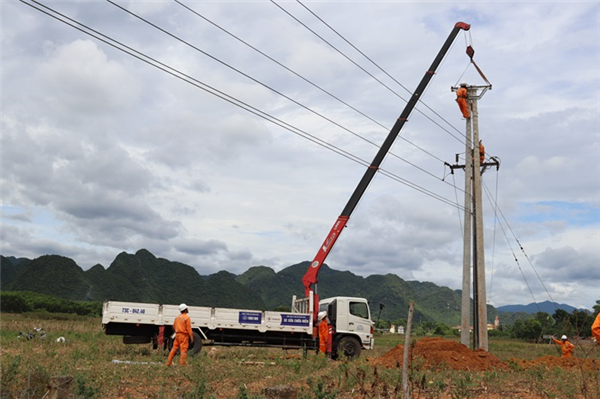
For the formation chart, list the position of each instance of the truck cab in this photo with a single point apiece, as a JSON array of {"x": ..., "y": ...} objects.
[{"x": 352, "y": 324}]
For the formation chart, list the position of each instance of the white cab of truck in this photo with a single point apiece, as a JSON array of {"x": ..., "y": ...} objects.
[{"x": 352, "y": 320}]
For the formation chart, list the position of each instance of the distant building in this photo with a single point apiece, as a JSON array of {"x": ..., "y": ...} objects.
[{"x": 494, "y": 326}]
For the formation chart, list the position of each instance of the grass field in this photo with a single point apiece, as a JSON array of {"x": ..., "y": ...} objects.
[{"x": 93, "y": 365}]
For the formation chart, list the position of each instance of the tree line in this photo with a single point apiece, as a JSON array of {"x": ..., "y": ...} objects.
[
  {"x": 540, "y": 324},
  {"x": 25, "y": 301},
  {"x": 532, "y": 328}
]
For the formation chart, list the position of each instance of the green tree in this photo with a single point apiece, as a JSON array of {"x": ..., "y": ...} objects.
[
  {"x": 597, "y": 307},
  {"x": 546, "y": 321},
  {"x": 529, "y": 329},
  {"x": 442, "y": 329},
  {"x": 12, "y": 302},
  {"x": 382, "y": 325}
]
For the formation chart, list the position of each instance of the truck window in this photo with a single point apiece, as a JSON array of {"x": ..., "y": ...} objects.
[{"x": 359, "y": 309}]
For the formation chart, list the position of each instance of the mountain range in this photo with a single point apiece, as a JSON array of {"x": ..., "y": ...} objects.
[
  {"x": 142, "y": 277},
  {"x": 546, "y": 306}
]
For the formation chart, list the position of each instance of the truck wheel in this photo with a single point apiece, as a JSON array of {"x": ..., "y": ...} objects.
[
  {"x": 348, "y": 347},
  {"x": 136, "y": 339},
  {"x": 168, "y": 344},
  {"x": 196, "y": 346},
  {"x": 193, "y": 349}
]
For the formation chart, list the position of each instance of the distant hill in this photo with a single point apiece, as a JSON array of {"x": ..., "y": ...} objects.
[
  {"x": 139, "y": 277},
  {"x": 142, "y": 277},
  {"x": 546, "y": 306}
]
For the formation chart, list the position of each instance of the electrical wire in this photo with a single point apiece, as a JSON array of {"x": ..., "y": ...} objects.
[
  {"x": 279, "y": 93},
  {"x": 382, "y": 70},
  {"x": 283, "y": 95},
  {"x": 494, "y": 204},
  {"x": 188, "y": 79}
]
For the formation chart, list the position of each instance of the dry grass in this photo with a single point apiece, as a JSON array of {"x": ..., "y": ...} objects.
[{"x": 87, "y": 356}]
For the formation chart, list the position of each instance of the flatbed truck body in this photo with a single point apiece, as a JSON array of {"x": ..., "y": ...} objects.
[{"x": 141, "y": 323}]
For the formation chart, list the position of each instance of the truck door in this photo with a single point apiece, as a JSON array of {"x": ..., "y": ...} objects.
[{"x": 359, "y": 320}]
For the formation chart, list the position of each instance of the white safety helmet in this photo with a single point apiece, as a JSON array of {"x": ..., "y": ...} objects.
[
  {"x": 182, "y": 307},
  {"x": 563, "y": 337},
  {"x": 463, "y": 83},
  {"x": 322, "y": 314}
]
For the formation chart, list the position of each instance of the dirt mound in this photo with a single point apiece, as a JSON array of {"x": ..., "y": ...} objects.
[
  {"x": 434, "y": 352},
  {"x": 438, "y": 352}
]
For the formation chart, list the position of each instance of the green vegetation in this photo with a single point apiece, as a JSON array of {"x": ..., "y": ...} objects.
[
  {"x": 103, "y": 367},
  {"x": 533, "y": 328},
  {"x": 142, "y": 277},
  {"x": 23, "y": 302}
]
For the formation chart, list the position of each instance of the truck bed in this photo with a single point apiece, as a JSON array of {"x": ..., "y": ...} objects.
[{"x": 205, "y": 317}]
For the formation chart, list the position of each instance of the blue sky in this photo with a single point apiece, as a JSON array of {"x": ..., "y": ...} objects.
[{"x": 102, "y": 153}]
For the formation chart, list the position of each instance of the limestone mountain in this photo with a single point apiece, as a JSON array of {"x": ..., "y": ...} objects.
[
  {"x": 139, "y": 277},
  {"x": 142, "y": 277}
]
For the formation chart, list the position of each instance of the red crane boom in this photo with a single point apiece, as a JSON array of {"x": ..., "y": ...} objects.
[{"x": 310, "y": 278}]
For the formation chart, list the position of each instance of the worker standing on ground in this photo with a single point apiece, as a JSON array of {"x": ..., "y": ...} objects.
[
  {"x": 182, "y": 326},
  {"x": 565, "y": 346},
  {"x": 461, "y": 98},
  {"x": 323, "y": 332},
  {"x": 596, "y": 329}
]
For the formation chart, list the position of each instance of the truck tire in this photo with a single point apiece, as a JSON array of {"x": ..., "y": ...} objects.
[
  {"x": 194, "y": 347},
  {"x": 136, "y": 339},
  {"x": 348, "y": 347}
]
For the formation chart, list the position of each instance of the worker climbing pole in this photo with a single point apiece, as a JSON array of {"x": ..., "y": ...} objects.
[
  {"x": 473, "y": 248},
  {"x": 461, "y": 99}
]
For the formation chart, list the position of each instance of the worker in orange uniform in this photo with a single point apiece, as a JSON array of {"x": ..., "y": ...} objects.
[
  {"x": 481, "y": 152},
  {"x": 461, "y": 98},
  {"x": 596, "y": 329},
  {"x": 323, "y": 332},
  {"x": 183, "y": 331},
  {"x": 565, "y": 346}
]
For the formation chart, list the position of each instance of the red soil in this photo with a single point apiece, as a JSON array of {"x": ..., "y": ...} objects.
[{"x": 438, "y": 352}]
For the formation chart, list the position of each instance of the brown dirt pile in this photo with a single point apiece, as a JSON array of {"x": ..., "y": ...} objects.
[{"x": 438, "y": 352}]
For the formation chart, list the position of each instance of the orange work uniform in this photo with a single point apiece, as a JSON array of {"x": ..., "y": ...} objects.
[
  {"x": 481, "y": 153},
  {"x": 596, "y": 329},
  {"x": 183, "y": 330},
  {"x": 566, "y": 347},
  {"x": 323, "y": 336},
  {"x": 461, "y": 98}
]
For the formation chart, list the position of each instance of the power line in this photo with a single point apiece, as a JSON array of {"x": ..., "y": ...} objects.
[
  {"x": 499, "y": 211},
  {"x": 278, "y": 92},
  {"x": 188, "y": 79},
  {"x": 267, "y": 86},
  {"x": 234, "y": 101},
  {"x": 364, "y": 70},
  {"x": 378, "y": 67}
]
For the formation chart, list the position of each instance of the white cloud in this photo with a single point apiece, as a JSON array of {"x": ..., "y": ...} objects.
[{"x": 102, "y": 153}]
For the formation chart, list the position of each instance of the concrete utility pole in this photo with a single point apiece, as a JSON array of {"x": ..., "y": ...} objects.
[
  {"x": 473, "y": 229},
  {"x": 465, "y": 331}
]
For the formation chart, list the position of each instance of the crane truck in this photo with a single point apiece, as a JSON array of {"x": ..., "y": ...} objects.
[{"x": 350, "y": 317}]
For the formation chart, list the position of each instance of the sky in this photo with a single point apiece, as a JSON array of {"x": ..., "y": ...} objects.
[{"x": 231, "y": 134}]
